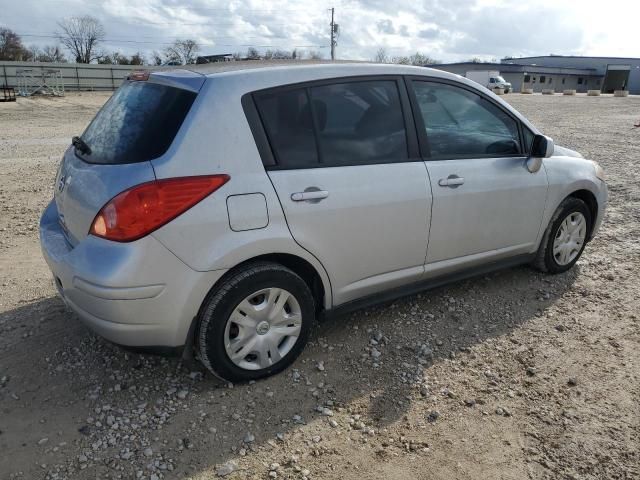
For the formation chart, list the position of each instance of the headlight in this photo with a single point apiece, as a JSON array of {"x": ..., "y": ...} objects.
[{"x": 599, "y": 171}]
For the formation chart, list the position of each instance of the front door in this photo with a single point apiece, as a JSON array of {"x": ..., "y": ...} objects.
[
  {"x": 486, "y": 204},
  {"x": 350, "y": 193}
]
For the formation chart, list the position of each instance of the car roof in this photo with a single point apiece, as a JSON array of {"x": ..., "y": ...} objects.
[{"x": 321, "y": 68}]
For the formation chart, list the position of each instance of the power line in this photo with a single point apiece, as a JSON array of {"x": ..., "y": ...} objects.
[
  {"x": 107, "y": 40},
  {"x": 212, "y": 9}
]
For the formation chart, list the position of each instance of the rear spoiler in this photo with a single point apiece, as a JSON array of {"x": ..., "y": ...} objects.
[{"x": 183, "y": 79}]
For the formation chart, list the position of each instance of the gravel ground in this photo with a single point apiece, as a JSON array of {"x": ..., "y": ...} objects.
[{"x": 508, "y": 376}]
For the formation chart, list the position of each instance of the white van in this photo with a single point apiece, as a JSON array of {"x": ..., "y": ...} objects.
[{"x": 490, "y": 79}]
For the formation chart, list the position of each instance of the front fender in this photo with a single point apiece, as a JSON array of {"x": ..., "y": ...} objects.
[{"x": 567, "y": 175}]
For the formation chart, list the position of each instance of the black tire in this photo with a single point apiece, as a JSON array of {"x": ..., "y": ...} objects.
[
  {"x": 545, "y": 260},
  {"x": 220, "y": 303}
]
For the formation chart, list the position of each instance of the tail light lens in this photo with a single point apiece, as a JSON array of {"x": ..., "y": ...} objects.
[{"x": 144, "y": 208}]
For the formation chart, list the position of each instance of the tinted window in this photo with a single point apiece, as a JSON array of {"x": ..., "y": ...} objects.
[
  {"x": 289, "y": 125},
  {"x": 359, "y": 123},
  {"x": 137, "y": 124},
  {"x": 461, "y": 123},
  {"x": 528, "y": 139}
]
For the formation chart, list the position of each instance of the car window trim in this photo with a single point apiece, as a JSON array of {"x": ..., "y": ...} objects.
[
  {"x": 266, "y": 150},
  {"x": 421, "y": 131},
  {"x": 257, "y": 130}
]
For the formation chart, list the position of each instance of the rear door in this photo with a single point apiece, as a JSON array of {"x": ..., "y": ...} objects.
[
  {"x": 486, "y": 204},
  {"x": 137, "y": 124},
  {"x": 353, "y": 189}
]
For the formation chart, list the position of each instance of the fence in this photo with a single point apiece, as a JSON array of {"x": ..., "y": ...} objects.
[{"x": 75, "y": 76}]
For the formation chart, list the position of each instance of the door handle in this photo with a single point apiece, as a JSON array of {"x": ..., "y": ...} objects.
[
  {"x": 452, "y": 181},
  {"x": 308, "y": 195}
]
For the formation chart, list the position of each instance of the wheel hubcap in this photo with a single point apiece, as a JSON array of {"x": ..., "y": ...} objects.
[
  {"x": 570, "y": 238},
  {"x": 263, "y": 328}
]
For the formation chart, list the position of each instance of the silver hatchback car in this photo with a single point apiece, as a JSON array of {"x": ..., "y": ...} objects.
[{"x": 228, "y": 207}]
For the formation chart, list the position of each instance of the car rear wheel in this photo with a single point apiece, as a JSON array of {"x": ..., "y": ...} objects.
[
  {"x": 565, "y": 238},
  {"x": 256, "y": 323}
]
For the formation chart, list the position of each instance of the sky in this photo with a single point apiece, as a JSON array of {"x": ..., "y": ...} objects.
[{"x": 446, "y": 30}]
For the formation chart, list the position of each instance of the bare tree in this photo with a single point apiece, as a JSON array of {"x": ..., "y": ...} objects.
[
  {"x": 268, "y": 54},
  {"x": 52, "y": 53},
  {"x": 11, "y": 47},
  {"x": 253, "y": 54},
  {"x": 381, "y": 56},
  {"x": 404, "y": 60},
  {"x": 137, "y": 59},
  {"x": 156, "y": 58},
  {"x": 417, "y": 58},
  {"x": 182, "y": 52},
  {"x": 117, "y": 58},
  {"x": 422, "y": 59},
  {"x": 315, "y": 55},
  {"x": 82, "y": 36}
]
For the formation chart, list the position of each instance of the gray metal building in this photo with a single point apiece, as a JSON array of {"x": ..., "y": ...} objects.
[
  {"x": 561, "y": 73},
  {"x": 617, "y": 73}
]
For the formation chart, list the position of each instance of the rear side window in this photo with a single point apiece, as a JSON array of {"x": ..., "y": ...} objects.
[
  {"x": 138, "y": 123},
  {"x": 348, "y": 123},
  {"x": 289, "y": 125},
  {"x": 460, "y": 123},
  {"x": 359, "y": 123}
]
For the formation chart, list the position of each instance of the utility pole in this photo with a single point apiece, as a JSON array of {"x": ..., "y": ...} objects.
[{"x": 334, "y": 30}]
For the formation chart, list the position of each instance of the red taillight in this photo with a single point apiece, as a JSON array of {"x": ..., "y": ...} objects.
[{"x": 144, "y": 208}]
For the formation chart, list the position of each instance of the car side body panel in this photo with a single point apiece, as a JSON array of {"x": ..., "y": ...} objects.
[{"x": 203, "y": 237}]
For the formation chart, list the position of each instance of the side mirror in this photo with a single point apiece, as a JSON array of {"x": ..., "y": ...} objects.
[{"x": 542, "y": 147}]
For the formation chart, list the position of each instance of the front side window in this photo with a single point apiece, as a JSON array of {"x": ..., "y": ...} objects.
[{"x": 460, "y": 123}]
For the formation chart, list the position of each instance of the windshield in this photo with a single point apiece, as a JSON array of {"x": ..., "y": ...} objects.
[
  {"x": 137, "y": 124},
  {"x": 499, "y": 79}
]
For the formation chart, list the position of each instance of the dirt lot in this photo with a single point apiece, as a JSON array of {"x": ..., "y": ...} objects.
[{"x": 509, "y": 376}]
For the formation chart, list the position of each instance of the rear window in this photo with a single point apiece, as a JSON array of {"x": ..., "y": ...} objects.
[{"x": 137, "y": 124}]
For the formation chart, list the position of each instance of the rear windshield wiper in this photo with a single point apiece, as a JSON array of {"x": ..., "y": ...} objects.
[{"x": 81, "y": 145}]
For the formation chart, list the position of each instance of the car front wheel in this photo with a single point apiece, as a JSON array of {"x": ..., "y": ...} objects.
[
  {"x": 256, "y": 323},
  {"x": 565, "y": 237}
]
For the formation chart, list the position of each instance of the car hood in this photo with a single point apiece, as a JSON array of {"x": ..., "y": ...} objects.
[{"x": 559, "y": 151}]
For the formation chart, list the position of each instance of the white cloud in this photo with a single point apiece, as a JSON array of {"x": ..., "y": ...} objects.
[{"x": 443, "y": 29}]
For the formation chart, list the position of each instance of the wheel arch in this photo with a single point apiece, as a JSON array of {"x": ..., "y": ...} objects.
[
  {"x": 321, "y": 292},
  {"x": 300, "y": 266},
  {"x": 592, "y": 203}
]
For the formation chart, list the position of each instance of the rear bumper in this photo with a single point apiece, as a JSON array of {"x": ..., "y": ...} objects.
[{"x": 135, "y": 294}]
